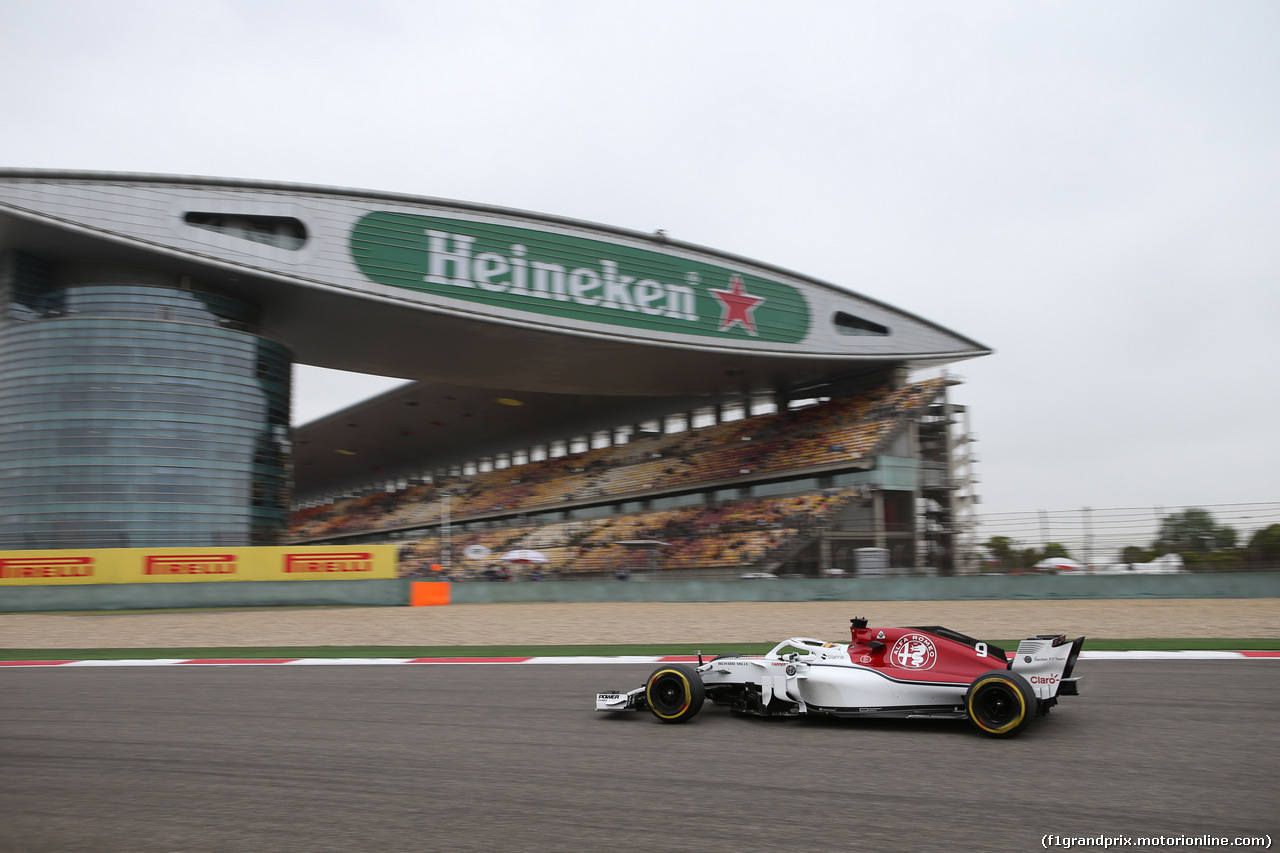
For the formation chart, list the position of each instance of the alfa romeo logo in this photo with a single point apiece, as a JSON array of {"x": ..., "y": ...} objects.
[{"x": 914, "y": 651}]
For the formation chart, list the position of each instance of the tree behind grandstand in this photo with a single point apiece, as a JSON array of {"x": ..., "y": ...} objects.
[
  {"x": 1194, "y": 531},
  {"x": 1206, "y": 545},
  {"x": 1196, "y": 535},
  {"x": 1263, "y": 550},
  {"x": 1008, "y": 557}
]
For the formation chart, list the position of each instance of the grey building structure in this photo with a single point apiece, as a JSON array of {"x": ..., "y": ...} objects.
[{"x": 148, "y": 325}]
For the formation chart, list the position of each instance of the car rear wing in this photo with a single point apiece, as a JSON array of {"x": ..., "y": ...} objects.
[{"x": 1047, "y": 662}]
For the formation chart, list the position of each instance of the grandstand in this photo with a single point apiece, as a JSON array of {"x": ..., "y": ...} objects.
[
  {"x": 571, "y": 385},
  {"x": 797, "y": 490}
]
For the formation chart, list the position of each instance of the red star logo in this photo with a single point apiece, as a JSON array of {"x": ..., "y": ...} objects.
[{"x": 736, "y": 306}]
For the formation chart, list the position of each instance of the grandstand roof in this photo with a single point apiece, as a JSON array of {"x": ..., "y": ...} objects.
[{"x": 424, "y": 425}]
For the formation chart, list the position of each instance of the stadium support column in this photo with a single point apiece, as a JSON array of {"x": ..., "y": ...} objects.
[
  {"x": 824, "y": 554},
  {"x": 141, "y": 411},
  {"x": 919, "y": 524},
  {"x": 919, "y": 515},
  {"x": 446, "y": 543},
  {"x": 877, "y": 509},
  {"x": 964, "y": 500}
]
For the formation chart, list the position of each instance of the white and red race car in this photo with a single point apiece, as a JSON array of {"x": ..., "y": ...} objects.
[{"x": 915, "y": 673}]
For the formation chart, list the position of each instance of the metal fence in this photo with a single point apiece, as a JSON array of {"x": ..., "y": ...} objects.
[{"x": 1098, "y": 536}]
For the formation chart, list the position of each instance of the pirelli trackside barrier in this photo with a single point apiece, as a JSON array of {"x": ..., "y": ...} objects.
[
  {"x": 152, "y": 578},
  {"x": 202, "y": 565}
]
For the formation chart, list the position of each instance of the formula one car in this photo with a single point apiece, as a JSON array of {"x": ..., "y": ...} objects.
[{"x": 913, "y": 673}]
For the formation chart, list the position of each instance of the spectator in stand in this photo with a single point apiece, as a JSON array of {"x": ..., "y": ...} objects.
[{"x": 832, "y": 431}]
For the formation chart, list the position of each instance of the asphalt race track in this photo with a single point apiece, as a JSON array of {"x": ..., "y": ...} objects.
[{"x": 513, "y": 758}]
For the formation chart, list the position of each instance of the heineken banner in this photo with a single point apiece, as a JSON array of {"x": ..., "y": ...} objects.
[{"x": 575, "y": 278}]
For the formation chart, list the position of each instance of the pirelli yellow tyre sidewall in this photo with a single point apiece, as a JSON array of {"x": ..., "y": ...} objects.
[
  {"x": 674, "y": 693},
  {"x": 1000, "y": 703}
]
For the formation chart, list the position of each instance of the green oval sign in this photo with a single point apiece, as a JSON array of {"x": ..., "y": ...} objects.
[{"x": 575, "y": 278}]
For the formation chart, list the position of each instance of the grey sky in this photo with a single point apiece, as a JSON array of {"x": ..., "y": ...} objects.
[{"x": 1092, "y": 189}]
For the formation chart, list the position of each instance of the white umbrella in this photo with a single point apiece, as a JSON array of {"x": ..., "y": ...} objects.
[
  {"x": 1060, "y": 564},
  {"x": 524, "y": 555}
]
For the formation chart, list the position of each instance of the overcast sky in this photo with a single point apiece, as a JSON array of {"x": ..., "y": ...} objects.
[{"x": 1091, "y": 189}]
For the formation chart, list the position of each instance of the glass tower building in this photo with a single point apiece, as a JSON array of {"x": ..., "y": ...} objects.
[{"x": 136, "y": 410}]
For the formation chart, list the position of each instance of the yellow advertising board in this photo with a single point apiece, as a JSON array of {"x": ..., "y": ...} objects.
[
  {"x": 48, "y": 568},
  {"x": 187, "y": 565}
]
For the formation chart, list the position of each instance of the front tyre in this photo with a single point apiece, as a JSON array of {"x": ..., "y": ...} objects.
[
  {"x": 1000, "y": 703},
  {"x": 674, "y": 693}
]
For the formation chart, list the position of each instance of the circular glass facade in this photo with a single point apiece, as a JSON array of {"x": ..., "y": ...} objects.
[{"x": 140, "y": 416}]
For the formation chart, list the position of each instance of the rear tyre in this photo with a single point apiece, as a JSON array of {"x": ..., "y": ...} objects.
[
  {"x": 1000, "y": 703},
  {"x": 674, "y": 693}
]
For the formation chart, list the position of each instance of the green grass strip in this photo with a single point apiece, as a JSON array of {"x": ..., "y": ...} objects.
[{"x": 592, "y": 650}]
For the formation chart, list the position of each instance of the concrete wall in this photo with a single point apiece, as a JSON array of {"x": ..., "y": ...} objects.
[
  {"x": 396, "y": 592},
  {"x": 147, "y": 596},
  {"x": 1216, "y": 585}
]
